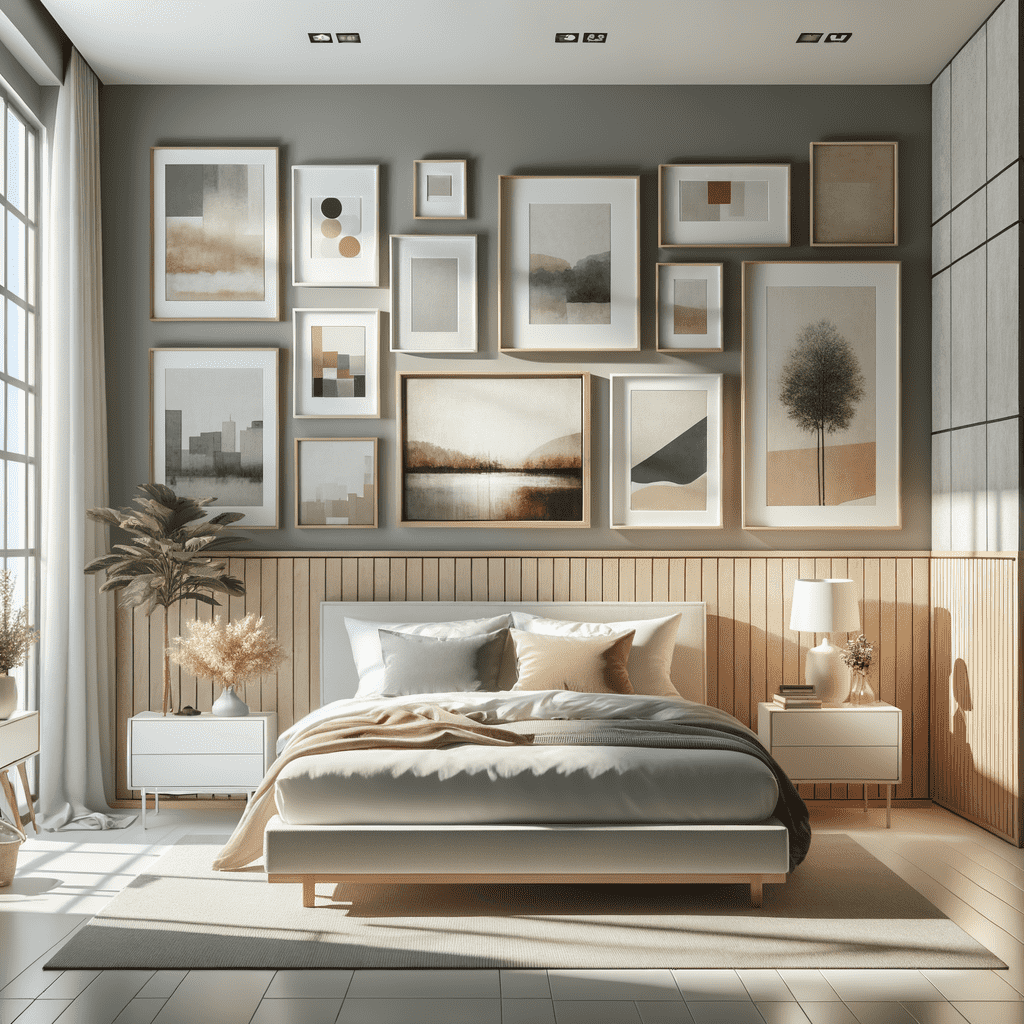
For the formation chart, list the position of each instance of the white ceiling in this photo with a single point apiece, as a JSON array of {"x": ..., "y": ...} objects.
[{"x": 464, "y": 42}]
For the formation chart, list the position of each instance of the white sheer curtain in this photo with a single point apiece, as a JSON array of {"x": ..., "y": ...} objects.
[{"x": 76, "y": 654}]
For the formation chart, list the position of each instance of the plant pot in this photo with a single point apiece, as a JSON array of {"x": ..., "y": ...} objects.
[
  {"x": 8, "y": 697},
  {"x": 10, "y": 842},
  {"x": 229, "y": 704}
]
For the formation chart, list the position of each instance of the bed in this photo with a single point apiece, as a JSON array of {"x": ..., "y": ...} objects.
[{"x": 587, "y": 839}]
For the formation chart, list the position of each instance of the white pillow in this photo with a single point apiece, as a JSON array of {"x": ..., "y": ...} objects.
[
  {"x": 650, "y": 658},
  {"x": 365, "y": 642},
  {"x": 432, "y": 664}
]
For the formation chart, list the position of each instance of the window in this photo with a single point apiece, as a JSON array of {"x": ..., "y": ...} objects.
[{"x": 19, "y": 405}]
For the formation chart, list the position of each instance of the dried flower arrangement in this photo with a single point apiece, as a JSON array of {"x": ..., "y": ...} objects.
[
  {"x": 16, "y": 635},
  {"x": 229, "y": 653},
  {"x": 857, "y": 653}
]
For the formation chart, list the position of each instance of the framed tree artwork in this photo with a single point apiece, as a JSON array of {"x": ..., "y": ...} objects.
[
  {"x": 335, "y": 482},
  {"x": 335, "y": 230},
  {"x": 568, "y": 264},
  {"x": 665, "y": 466},
  {"x": 688, "y": 297},
  {"x": 214, "y": 428},
  {"x": 439, "y": 190},
  {"x": 488, "y": 449},
  {"x": 336, "y": 363},
  {"x": 854, "y": 194},
  {"x": 821, "y": 395},
  {"x": 215, "y": 248}
]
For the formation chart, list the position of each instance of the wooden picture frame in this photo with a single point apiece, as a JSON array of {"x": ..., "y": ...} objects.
[
  {"x": 809, "y": 466},
  {"x": 854, "y": 193},
  {"x": 336, "y": 363},
  {"x": 665, "y": 451},
  {"x": 336, "y": 225},
  {"x": 494, "y": 450},
  {"x": 723, "y": 205},
  {"x": 208, "y": 259},
  {"x": 439, "y": 190},
  {"x": 199, "y": 400},
  {"x": 568, "y": 263},
  {"x": 433, "y": 293},
  {"x": 688, "y": 302},
  {"x": 336, "y": 478}
]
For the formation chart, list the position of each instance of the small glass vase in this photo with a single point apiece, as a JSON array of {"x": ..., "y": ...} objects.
[{"x": 860, "y": 689}]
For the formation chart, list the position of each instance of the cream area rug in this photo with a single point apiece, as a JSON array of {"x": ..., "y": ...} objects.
[{"x": 840, "y": 908}]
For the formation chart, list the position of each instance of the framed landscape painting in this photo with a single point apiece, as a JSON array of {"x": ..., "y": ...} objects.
[
  {"x": 336, "y": 363},
  {"x": 335, "y": 482},
  {"x": 821, "y": 395},
  {"x": 688, "y": 297},
  {"x": 854, "y": 196},
  {"x": 214, "y": 428},
  {"x": 335, "y": 232},
  {"x": 666, "y": 451},
  {"x": 568, "y": 264},
  {"x": 723, "y": 205},
  {"x": 487, "y": 449},
  {"x": 433, "y": 293},
  {"x": 439, "y": 190},
  {"x": 214, "y": 234}
]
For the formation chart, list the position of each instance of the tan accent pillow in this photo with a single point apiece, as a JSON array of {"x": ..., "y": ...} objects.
[{"x": 583, "y": 664}]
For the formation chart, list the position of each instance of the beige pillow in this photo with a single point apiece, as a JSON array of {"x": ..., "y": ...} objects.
[{"x": 583, "y": 664}]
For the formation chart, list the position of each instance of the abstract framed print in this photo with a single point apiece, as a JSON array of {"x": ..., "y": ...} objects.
[
  {"x": 689, "y": 304},
  {"x": 215, "y": 247},
  {"x": 439, "y": 190},
  {"x": 666, "y": 451},
  {"x": 335, "y": 483},
  {"x": 489, "y": 449},
  {"x": 854, "y": 194},
  {"x": 433, "y": 293},
  {"x": 821, "y": 396},
  {"x": 723, "y": 205},
  {"x": 214, "y": 428},
  {"x": 336, "y": 363},
  {"x": 568, "y": 264},
  {"x": 335, "y": 229}
]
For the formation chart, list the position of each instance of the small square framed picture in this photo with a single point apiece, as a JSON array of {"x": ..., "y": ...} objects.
[
  {"x": 689, "y": 301},
  {"x": 854, "y": 195},
  {"x": 439, "y": 190},
  {"x": 335, "y": 483}
]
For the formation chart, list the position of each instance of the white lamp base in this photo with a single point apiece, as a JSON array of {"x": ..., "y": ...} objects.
[{"x": 826, "y": 672}]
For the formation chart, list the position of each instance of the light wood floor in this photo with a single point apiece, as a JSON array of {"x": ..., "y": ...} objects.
[{"x": 64, "y": 878}]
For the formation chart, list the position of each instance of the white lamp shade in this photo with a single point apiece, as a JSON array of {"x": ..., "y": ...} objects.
[{"x": 824, "y": 606}]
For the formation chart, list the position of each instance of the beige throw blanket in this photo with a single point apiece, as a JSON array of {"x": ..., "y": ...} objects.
[{"x": 425, "y": 726}]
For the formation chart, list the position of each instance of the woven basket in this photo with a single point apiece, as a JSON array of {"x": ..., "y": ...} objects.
[{"x": 11, "y": 839}]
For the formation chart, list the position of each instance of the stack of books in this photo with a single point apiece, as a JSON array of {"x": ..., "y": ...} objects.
[{"x": 797, "y": 695}]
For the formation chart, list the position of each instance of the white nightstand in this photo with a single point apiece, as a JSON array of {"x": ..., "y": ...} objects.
[
  {"x": 836, "y": 743},
  {"x": 19, "y": 740},
  {"x": 199, "y": 754}
]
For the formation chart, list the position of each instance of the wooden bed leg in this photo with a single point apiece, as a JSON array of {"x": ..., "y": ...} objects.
[
  {"x": 756, "y": 890},
  {"x": 308, "y": 890}
]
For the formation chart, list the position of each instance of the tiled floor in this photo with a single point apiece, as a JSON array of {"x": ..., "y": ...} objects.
[{"x": 63, "y": 879}]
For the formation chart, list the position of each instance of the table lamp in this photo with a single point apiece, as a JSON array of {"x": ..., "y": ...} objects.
[{"x": 825, "y": 606}]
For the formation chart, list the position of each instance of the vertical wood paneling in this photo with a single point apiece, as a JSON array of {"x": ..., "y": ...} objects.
[
  {"x": 286, "y": 636},
  {"x": 709, "y": 594},
  {"x": 562, "y": 585},
  {"x": 741, "y": 641}
]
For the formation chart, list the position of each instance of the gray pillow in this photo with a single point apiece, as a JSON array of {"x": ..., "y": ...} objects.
[{"x": 430, "y": 664}]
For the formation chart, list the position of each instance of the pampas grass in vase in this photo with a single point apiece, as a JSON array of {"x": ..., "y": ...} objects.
[{"x": 16, "y": 640}]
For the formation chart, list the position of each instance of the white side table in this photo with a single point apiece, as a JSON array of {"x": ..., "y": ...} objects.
[
  {"x": 19, "y": 740},
  {"x": 836, "y": 743},
  {"x": 199, "y": 754}
]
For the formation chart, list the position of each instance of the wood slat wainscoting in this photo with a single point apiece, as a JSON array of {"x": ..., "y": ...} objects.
[
  {"x": 976, "y": 689},
  {"x": 750, "y": 648}
]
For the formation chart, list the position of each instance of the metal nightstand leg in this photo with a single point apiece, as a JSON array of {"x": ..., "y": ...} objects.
[
  {"x": 888, "y": 805},
  {"x": 143, "y": 792}
]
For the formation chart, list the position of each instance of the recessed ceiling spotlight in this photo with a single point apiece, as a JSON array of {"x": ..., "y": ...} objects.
[
  {"x": 349, "y": 37},
  {"x": 567, "y": 37},
  {"x": 838, "y": 37},
  {"x": 809, "y": 37},
  {"x": 321, "y": 37}
]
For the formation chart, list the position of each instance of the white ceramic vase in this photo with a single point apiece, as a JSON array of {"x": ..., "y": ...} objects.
[
  {"x": 8, "y": 697},
  {"x": 229, "y": 704}
]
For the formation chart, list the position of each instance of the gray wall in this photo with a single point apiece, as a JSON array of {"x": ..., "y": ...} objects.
[
  {"x": 505, "y": 130},
  {"x": 976, "y": 439}
]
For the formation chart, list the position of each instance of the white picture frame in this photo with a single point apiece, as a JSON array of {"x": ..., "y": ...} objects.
[
  {"x": 688, "y": 300},
  {"x": 341, "y": 336},
  {"x": 572, "y": 294},
  {"x": 439, "y": 190},
  {"x": 339, "y": 246},
  {"x": 665, "y": 452},
  {"x": 434, "y": 293}
]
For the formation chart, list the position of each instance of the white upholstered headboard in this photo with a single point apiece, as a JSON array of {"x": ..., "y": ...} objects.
[{"x": 337, "y": 671}]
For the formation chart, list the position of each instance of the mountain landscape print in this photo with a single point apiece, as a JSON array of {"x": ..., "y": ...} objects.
[{"x": 668, "y": 451}]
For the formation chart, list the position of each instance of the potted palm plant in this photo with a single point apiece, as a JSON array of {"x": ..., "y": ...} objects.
[{"x": 167, "y": 559}]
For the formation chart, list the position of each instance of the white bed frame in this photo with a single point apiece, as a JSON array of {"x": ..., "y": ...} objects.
[{"x": 751, "y": 854}]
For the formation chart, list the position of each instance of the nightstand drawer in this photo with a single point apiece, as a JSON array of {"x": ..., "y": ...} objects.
[
  {"x": 204, "y": 773},
  {"x": 19, "y": 737},
  {"x": 839, "y": 763},
  {"x": 224, "y": 736},
  {"x": 842, "y": 728}
]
